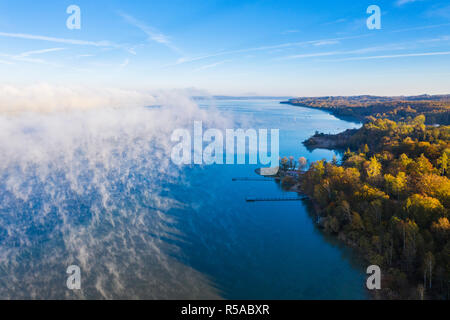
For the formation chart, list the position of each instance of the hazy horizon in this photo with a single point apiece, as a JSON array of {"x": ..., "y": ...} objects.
[{"x": 232, "y": 48}]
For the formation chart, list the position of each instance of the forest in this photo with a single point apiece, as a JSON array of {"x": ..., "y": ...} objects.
[
  {"x": 436, "y": 108},
  {"x": 389, "y": 198}
]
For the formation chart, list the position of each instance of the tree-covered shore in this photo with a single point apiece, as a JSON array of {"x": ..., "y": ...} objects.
[
  {"x": 389, "y": 198},
  {"x": 436, "y": 108}
]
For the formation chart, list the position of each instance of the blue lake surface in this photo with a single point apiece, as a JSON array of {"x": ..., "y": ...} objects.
[
  {"x": 266, "y": 250},
  {"x": 198, "y": 239}
]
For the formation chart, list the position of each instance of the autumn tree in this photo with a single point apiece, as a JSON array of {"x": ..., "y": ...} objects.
[
  {"x": 396, "y": 185},
  {"x": 373, "y": 170},
  {"x": 302, "y": 162},
  {"x": 443, "y": 163},
  {"x": 423, "y": 209}
]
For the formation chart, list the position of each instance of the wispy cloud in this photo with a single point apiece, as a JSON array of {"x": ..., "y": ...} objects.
[
  {"x": 403, "y": 2},
  {"x": 103, "y": 43},
  {"x": 152, "y": 33},
  {"x": 311, "y": 55},
  {"x": 438, "y": 39},
  {"x": 85, "y": 55},
  {"x": 30, "y": 53},
  {"x": 422, "y": 27},
  {"x": 212, "y": 65},
  {"x": 351, "y": 52},
  {"x": 393, "y": 56},
  {"x": 125, "y": 63},
  {"x": 386, "y": 48},
  {"x": 326, "y": 42},
  {"x": 334, "y": 22},
  {"x": 263, "y": 48},
  {"x": 132, "y": 51},
  {"x": 26, "y": 56}
]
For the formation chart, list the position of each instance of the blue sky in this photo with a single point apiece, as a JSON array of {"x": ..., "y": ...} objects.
[{"x": 294, "y": 48}]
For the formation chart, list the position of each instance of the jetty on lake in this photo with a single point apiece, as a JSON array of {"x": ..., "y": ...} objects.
[
  {"x": 258, "y": 199},
  {"x": 251, "y": 179}
]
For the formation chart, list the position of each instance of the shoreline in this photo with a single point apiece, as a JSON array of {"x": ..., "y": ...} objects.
[
  {"x": 331, "y": 111},
  {"x": 337, "y": 143},
  {"x": 317, "y": 220},
  {"x": 341, "y": 196}
]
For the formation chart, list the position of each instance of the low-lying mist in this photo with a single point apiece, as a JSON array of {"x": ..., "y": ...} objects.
[{"x": 83, "y": 176}]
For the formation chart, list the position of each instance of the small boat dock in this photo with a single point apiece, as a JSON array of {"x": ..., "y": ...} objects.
[
  {"x": 257, "y": 199},
  {"x": 251, "y": 179}
]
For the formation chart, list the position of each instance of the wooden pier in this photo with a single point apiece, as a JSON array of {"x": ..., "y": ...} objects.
[
  {"x": 256, "y": 199},
  {"x": 251, "y": 179}
]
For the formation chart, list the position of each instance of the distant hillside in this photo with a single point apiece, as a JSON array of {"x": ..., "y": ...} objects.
[{"x": 435, "y": 108}]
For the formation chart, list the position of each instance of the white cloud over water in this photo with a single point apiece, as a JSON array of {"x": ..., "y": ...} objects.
[
  {"x": 48, "y": 98},
  {"x": 83, "y": 175}
]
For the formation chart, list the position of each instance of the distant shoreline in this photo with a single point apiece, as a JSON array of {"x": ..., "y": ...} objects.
[
  {"x": 352, "y": 119},
  {"x": 361, "y": 109}
]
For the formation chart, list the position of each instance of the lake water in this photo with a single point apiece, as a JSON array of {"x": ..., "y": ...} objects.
[{"x": 140, "y": 232}]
